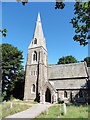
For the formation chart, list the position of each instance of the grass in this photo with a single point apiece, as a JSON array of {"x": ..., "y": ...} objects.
[
  {"x": 72, "y": 112},
  {"x": 20, "y": 101},
  {"x": 17, "y": 106}
]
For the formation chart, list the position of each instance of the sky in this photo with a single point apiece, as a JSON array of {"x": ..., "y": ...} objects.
[{"x": 20, "y": 22}]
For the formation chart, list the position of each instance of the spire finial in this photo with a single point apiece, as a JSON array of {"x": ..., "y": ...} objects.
[{"x": 38, "y": 18}]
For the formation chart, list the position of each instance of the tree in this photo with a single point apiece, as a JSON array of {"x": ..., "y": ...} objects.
[
  {"x": 18, "y": 91},
  {"x": 23, "y": 1},
  {"x": 11, "y": 67},
  {"x": 81, "y": 21},
  {"x": 3, "y": 32},
  {"x": 87, "y": 59},
  {"x": 67, "y": 60}
]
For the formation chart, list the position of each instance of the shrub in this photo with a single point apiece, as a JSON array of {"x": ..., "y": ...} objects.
[
  {"x": 11, "y": 97},
  {"x": 60, "y": 101},
  {"x": 3, "y": 95}
]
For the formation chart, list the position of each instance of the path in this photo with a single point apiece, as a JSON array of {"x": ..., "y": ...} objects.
[{"x": 33, "y": 112}]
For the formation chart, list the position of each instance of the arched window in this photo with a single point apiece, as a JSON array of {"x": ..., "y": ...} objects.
[
  {"x": 33, "y": 88},
  {"x": 65, "y": 94},
  {"x": 35, "y": 56},
  {"x": 35, "y": 41}
]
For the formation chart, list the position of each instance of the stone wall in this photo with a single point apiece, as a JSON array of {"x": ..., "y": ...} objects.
[{"x": 73, "y": 95}]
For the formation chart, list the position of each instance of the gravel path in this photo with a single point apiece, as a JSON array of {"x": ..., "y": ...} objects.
[{"x": 33, "y": 112}]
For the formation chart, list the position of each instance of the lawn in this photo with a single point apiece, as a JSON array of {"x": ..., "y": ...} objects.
[
  {"x": 26, "y": 102},
  {"x": 73, "y": 111},
  {"x": 17, "y": 106}
]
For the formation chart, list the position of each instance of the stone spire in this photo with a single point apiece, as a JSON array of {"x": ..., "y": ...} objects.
[
  {"x": 38, "y": 18},
  {"x": 38, "y": 29},
  {"x": 38, "y": 34}
]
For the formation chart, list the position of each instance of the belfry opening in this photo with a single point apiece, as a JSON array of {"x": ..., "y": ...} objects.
[{"x": 48, "y": 95}]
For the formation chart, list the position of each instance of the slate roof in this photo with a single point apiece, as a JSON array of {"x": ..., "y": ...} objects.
[
  {"x": 70, "y": 84},
  {"x": 64, "y": 71}
]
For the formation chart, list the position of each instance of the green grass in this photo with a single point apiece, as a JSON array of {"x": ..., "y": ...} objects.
[
  {"x": 20, "y": 101},
  {"x": 72, "y": 112},
  {"x": 17, "y": 107},
  {"x": 31, "y": 102}
]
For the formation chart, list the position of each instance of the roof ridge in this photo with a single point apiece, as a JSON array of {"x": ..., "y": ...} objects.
[{"x": 66, "y": 64}]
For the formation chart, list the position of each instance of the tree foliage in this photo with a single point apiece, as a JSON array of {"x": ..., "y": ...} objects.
[
  {"x": 59, "y": 5},
  {"x": 67, "y": 60},
  {"x": 11, "y": 67},
  {"x": 87, "y": 59},
  {"x": 22, "y": 1},
  {"x": 81, "y": 21},
  {"x": 3, "y": 32},
  {"x": 18, "y": 91}
]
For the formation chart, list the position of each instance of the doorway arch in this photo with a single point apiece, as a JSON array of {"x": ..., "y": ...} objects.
[{"x": 48, "y": 95}]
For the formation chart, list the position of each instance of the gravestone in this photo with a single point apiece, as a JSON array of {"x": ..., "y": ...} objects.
[
  {"x": 7, "y": 108},
  {"x": 46, "y": 110},
  {"x": 60, "y": 108},
  {"x": 64, "y": 108},
  {"x": 4, "y": 103},
  {"x": 11, "y": 105}
]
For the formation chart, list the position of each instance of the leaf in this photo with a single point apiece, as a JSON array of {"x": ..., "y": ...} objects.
[
  {"x": 67, "y": 60},
  {"x": 59, "y": 5},
  {"x": 4, "y": 34},
  {"x": 5, "y": 30},
  {"x": 81, "y": 22},
  {"x": 11, "y": 66}
]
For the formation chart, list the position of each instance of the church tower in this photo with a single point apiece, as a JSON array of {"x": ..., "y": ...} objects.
[{"x": 36, "y": 66}]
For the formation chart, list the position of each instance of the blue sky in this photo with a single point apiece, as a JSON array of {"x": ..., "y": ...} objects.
[{"x": 20, "y": 22}]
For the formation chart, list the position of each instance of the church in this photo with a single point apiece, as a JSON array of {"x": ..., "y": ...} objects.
[{"x": 50, "y": 83}]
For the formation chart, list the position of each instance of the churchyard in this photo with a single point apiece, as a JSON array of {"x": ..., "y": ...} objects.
[
  {"x": 72, "y": 111},
  {"x": 14, "y": 106},
  {"x": 55, "y": 111}
]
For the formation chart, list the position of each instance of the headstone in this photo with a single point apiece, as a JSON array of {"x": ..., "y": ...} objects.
[
  {"x": 7, "y": 108},
  {"x": 64, "y": 108},
  {"x": 60, "y": 107},
  {"x": 46, "y": 110},
  {"x": 4, "y": 103},
  {"x": 11, "y": 105},
  {"x": 58, "y": 117}
]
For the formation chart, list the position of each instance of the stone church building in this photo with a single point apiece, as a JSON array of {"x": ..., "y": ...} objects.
[{"x": 45, "y": 83}]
